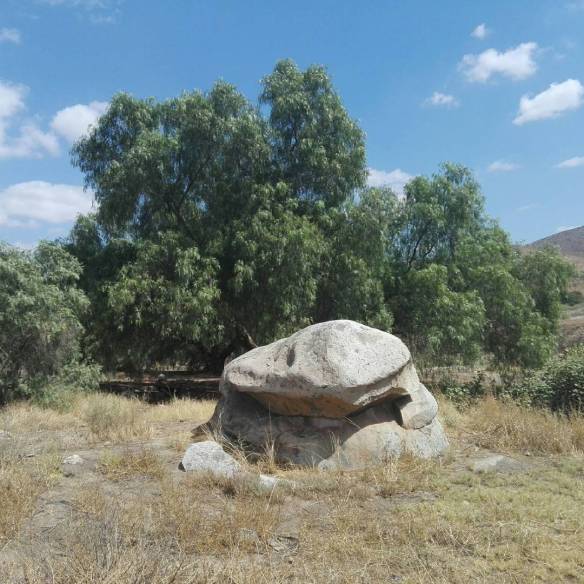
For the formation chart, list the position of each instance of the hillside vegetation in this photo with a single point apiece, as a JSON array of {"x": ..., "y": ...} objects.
[{"x": 570, "y": 244}]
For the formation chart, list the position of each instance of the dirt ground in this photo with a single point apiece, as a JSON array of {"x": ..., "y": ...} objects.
[{"x": 486, "y": 512}]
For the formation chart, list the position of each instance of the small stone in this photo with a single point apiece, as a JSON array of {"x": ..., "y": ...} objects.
[
  {"x": 73, "y": 459},
  {"x": 284, "y": 543},
  {"x": 208, "y": 456},
  {"x": 497, "y": 463}
]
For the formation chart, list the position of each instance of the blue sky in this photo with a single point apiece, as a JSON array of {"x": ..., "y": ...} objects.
[{"x": 496, "y": 85}]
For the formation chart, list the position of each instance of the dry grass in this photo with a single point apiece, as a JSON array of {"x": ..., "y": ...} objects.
[
  {"x": 23, "y": 417},
  {"x": 409, "y": 521},
  {"x": 507, "y": 426},
  {"x": 21, "y": 483},
  {"x": 180, "y": 410},
  {"x": 120, "y": 466},
  {"x": 107, "y": 417}
]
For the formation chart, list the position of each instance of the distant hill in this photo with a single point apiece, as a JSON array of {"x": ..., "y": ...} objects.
[{"x": 569, "y": 242}]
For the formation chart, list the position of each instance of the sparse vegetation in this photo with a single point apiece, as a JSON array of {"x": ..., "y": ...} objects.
[{"x": 129, "y": 521}]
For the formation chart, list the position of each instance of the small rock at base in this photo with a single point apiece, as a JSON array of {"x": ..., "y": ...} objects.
[
  {"x": 73, "y": 459},
  {"x": 208, "y": 456},
  {"x": 497, "y": 463}
]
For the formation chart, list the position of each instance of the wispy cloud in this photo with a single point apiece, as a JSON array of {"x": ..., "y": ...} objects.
[
  {"x": 502, "y": 166},
  {"x": 445, "y": 100},
  {"x": 396, "y": 179},
  {"x": 528, "y": 207},
  {"x": 571, "y": 162},
  {"x": 480, "y": 32},
  {"x": 98, "y": 11},
  {"x": 29, "y": 141},
  {"x": 29, "y": 204},
  {"x": 565, "y": 228},
  {"x": 10, "y": 35},
  {"x": 516, "y": 63},
  {"x": 557, "y": 99}
]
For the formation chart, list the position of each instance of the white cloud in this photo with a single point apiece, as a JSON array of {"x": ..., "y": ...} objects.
[
  {"x": 565, "y": 228},
  {"x": 11, "y": 98},
  {"x": 554, "y": 101},
  {"x": 571, "y": 162},
  {"x": 10, "y": 35},
  {"x": 517, "y": 63},
  {"x": 396, "y": 179},
  {"x": 480, "y": 32},
  {"x": 502, "y": 166},
  {"x": 30, "y": 140},
  {"x": 29, "y": 203},
  {"x": 438, "y": 99},
  {"x": 73, "y": 122}
]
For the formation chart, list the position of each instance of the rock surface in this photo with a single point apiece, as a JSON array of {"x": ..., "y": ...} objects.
[
  {"x": 331, "y": 369},
  {"x": 73, "y": 459},
  {"x": 368, "y": 438},
  {"x": 497, "y": 463},
  {"x": 334, "y": 395},
  {"x": 209, "y": 457}
]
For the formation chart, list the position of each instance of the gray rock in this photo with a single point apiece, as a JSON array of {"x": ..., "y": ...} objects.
[
  {"x": 209, "y": 457},
  {"x": 497, "y": 463},
  {"x": 417, "y": 409},
  {"x": 73, "y": 459},
  {"x": 334, "y": 395},
  {"x": 331, "y": 369},
  {"x": 370, "y": 437}
]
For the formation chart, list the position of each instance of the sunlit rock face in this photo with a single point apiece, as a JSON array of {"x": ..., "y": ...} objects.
[{"x": 335, "y": 394}]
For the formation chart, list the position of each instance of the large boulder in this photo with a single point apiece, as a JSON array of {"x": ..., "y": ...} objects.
[
  {"x": 368, "y": 438},
  {"x": 336, "y": 394},
  {"x": 331, "y": 369}
]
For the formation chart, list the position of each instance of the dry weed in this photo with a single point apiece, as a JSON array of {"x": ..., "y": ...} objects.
[
  {"x": 118, "y": 466},
  {"x": 504, "y": 425}
]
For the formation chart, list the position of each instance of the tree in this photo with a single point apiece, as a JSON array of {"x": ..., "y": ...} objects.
[
  {"x": 317, "y": 149},
  {"x": 458, "y": 282},
  {"x": 222, "y": 224},
  {"x": 40, "y": 312},
  {"x": 546, "y": 275},
  {"x": 211, "y": 173}
]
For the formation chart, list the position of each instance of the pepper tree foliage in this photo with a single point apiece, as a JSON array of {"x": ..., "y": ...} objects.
[
  {"x": 40, "y": 316},
  {"x": 221, "y": 224}
]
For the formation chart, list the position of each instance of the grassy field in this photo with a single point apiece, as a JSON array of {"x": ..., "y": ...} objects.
[{"x": 128, "y": 515}]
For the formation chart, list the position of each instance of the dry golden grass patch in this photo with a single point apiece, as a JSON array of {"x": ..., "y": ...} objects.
[
  {"x": 180, "y": 410},
  {"x": 119, "y": 466},
  {"x": 114, "y": 418},
  {"x": 21, "y": 484},
  {"x": 504, "y": 425},
  {"x": 409, "y": 520},
  {"x": 24, "y": 417}
]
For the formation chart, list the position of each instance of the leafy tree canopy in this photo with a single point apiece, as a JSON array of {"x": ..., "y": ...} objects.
[
  {"x": 40, "y": 311},
  {"x": 221, "y": 224}
]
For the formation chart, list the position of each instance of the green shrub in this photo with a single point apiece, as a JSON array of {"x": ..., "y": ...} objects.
[
  {"x": 558, "y": 386},
  {"x": 465, "y": 392},
  {"x": 59, "y": 391},
  {"x": 40, "y": 312}
]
